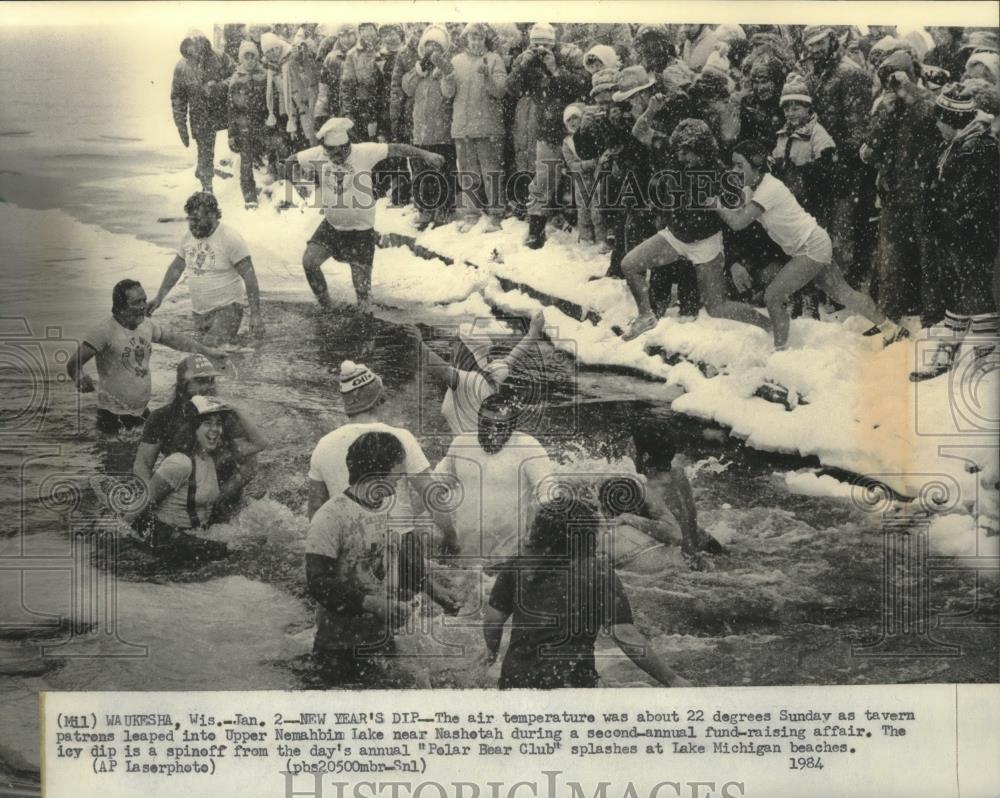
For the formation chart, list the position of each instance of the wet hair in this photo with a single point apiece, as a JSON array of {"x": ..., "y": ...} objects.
[
  {"x": 695, "y": 135},
  {"x": 119, "y": 294},
  {"x": 199, "y": 200},
  {"x": 374, "y": 454},
  {"x": 190, "y": 420},
  {"x": 755, "y": 151},
  {"x": 563, "y": 529},
  {"x": 654, "y": 449}
]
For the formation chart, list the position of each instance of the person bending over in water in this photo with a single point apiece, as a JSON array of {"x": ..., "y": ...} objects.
[
  {"x": 184, "y": 487},
  {"x": 561, "y": 578}
]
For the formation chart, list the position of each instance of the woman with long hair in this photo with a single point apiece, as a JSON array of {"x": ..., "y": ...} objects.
[{"x": 184, "y": 487}]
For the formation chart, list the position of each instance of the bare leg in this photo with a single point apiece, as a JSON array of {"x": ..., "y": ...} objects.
[
  {"x": 312, "y": 262},
  {"x": 799, "y": 271},
  {"x": 832, "y": 281},
  {"x": 361, "y": 276},
  {"x": 654, "y": 251},
  {"x": 712, "y": 286}
]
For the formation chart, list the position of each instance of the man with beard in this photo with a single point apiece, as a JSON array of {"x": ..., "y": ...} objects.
[
  {"x": 123, "y": 345},
  {"x": 220, "y": 267},
  {"x": 499, "y": 470}
]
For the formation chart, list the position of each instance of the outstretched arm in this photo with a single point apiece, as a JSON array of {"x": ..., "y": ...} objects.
[
  {"x": 409, "y": 151},
  {"x": 174, "y": 272},
  {"x": 638, "y": 649},
  {"x": 185, "y": 343},
  {"x": 740, "y": 217},
  {"x": 438, "y": 369}
]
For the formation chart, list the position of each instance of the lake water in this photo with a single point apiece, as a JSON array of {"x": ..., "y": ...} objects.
[{"x": 86, "y": 143}]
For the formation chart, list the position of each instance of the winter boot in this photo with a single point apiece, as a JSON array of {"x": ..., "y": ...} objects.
[
  {"x": 940, "y": 362},
  {"x": 536, "y": 232}
]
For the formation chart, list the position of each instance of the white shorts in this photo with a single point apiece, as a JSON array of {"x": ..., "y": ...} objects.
[
  {"x": 697, "y": 252},
  {"x": 817, "y": 246}
]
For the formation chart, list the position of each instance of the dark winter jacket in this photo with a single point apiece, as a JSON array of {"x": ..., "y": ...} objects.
[
  {"x": 904, "y": 140},
  {"x": 842, "y": 99},
  {"x": 400, "y": 103},
  {"x": 551, "y": 92},
  {"x": 965, "y": 194},
  {"x": 199, "y": 91},
  {"x": 328, "y": 97},
  {"x": 362, "y": 88},
  {"x": 247, "y": 104},
  {"x": 760, "y": 120}
]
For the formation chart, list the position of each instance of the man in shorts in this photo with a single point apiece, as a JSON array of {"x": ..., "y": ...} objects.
[
  {"x": 218, "y": 262},
  {"x": 344, "y": 174},
  {"x": 123, "y": 346}
]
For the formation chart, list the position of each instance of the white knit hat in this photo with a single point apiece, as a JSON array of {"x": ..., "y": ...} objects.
[{"x": 542, "y": 33}]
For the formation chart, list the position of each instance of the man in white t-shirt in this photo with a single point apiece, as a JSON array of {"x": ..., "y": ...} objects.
[
  {"x": 218, "y": 263},
  {"x": 499, "y": 471},
  {"x": 123, "y": 346},
  {"x": 362, "y": 393},
  {"x": 344, "y": 174}
]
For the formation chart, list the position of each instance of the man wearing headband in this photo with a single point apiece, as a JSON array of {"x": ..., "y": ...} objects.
[{"x": 343, "y": 172}]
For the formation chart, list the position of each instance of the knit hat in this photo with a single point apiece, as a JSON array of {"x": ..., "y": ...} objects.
[
  {"x": 920, "y": 42},
  {"x": 247, "y": 46},
  {"x": 572, "y": 110},
  {"x": 631, "y": 80},
  {"x": 654, "y": 32},
  {"x": 711, "y": 85},
  {"x": 606, "y": 56},
  {"x": 360, "y": 388},
  {"x": 268, "y": 41},
  {"x": 766, "y": 65},
  {"x": 477, "y": 27},
  {"x": 434, "y": 33},
  {"x": 730, "y": 33},
  {"x": 991, "y": 61},
  {"x": 334, "y": 131},
  {"x": 814, "y": 33},
  {"x": 956, "y": 98},
  {"x": 718, "y": 62},
  {"x": 605, "y": 80},
  {"x": 679, "y": 74},
  {"x": 795, "y": 90},
  {"x": 542, "y": 33},
  {"x": 389, "y": 26}
]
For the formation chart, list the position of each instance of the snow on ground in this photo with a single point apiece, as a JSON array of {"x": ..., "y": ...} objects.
[{"x": 856, "y": 408}]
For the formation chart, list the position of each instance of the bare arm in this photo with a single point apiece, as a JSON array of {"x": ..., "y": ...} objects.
[
  {"x": 174, "y": 272},
  {"x": 631, "y": 641},
  {"x": 74, "y": 367},
  {"x": 318, "y": 496},
  {"x": 145, "y": 459},
  {"x": 157, "y": 490},
  {"x": 245, "y": 269},
  {"x": 254, "y": 441},
  {"x": 493, "y": 621},
  {"x": 740, "y": 217},
  {"x": 185, "y": 343},
  {"x": 665, "y": 529}
]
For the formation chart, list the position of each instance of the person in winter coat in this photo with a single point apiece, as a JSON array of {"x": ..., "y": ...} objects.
[
  {"x": 247, "y": 115},
  {"x": 287, "y": 98},
  {"x": 654, "y": 48},
  {"x": 599, "y": 57},
  {"x": 328, "y": 91},
  {"x": 985, "y": 66},
  {"x": 963, "y": 207},
  {"x": 431, "y": 124},
  {"x": 589, "y": 216},
  {"x": 400, "y": 103},
  {"x": 394, "y": 175},
  {"x": 713, "y": 101},
  {"x": 804, "y": 152},
  {"x": 594, "y": 136},
  {"x": 760, "y": 108},
  {"x": 476, "y": 80},
  {"x": 305, "y": 70},
  {"x": 198, "y": 95},
  {"x": 902, "y": 142},
  {"x": 553, "y": 77},
  {"x": 947, "y": 52},
  {"x": 699, "y": 42},
  {"x": 842, "y": 95},
  {"x": 362, "y": 85}
]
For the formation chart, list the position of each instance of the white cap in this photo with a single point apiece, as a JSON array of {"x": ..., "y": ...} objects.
[{"x": 334, "y": 131}]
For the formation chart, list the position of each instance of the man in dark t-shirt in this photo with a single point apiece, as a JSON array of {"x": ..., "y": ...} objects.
[{"x": 162, "y": 435}]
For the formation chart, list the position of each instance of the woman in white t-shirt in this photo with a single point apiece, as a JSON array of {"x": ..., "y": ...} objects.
[
  {"x": 808, "y": 246},
  {"x": 184, "y": 487}
]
